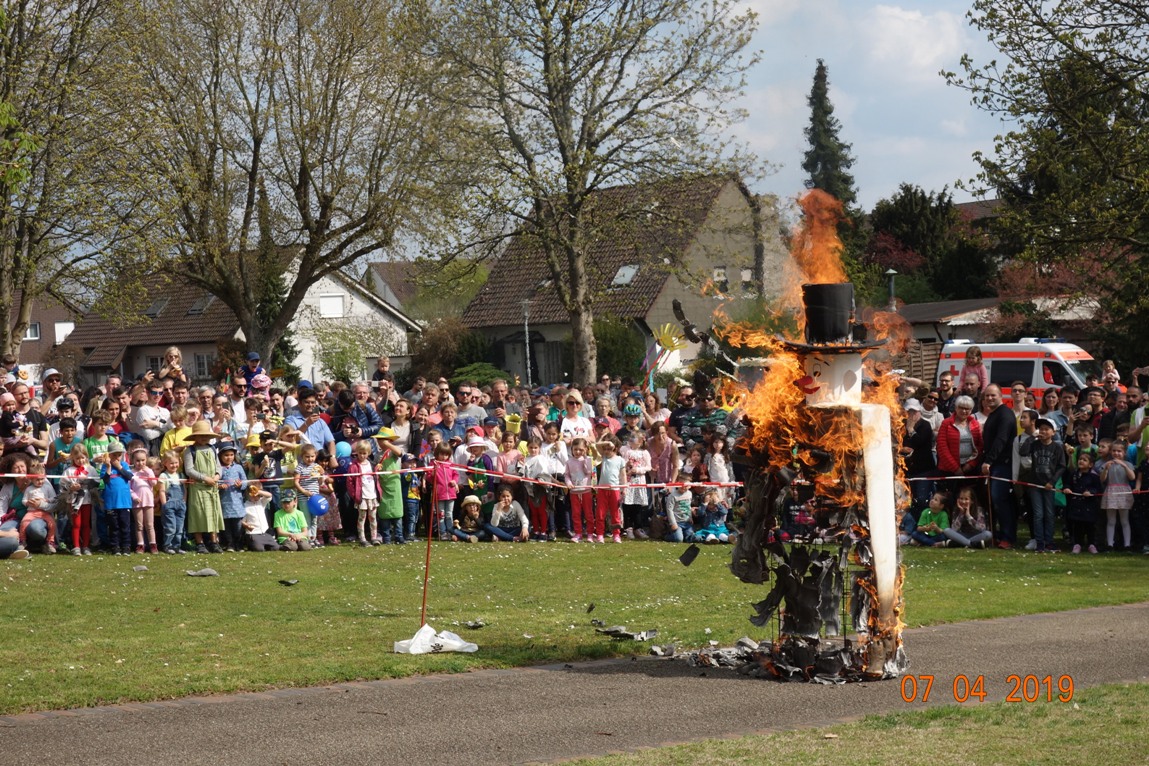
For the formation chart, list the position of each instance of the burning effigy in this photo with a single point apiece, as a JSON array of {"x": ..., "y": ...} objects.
[{"x": 819, "y": 416}]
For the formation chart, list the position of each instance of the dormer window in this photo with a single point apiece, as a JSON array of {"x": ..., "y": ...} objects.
[{"x": 625, "y": 275}]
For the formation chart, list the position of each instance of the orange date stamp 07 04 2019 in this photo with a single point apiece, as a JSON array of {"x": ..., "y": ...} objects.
[{"x": 1028, "y": 688}]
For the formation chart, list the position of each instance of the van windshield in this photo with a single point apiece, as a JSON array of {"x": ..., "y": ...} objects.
[{"x": 1083, "y": 367}]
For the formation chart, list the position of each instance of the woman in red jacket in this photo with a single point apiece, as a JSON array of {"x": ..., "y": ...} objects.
[{"x": 959, "y": 441}]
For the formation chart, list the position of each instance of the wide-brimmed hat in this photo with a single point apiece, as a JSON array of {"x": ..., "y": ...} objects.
[
  {"x": 201, "y": 430},
  {"x": 116, "y": 447},
  {"x": 475, "y": 441},
  {"x": 385, "y": 433},
  {"x": 469, "y": 500}
]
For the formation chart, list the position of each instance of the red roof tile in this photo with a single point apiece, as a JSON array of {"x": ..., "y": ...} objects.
[{"x": 647, "y": 224}]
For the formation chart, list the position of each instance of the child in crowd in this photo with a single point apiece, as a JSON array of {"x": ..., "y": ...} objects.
[
  {"x": 554, "y": 450},
  {"x": 265, "y": 464},
  {"x": 1083, "y": 492},
  {"x": 933, "y": 522},
  {"x": 1116, "y": 475},
  {"x": 172, "y": 499},
  {"x": 364, "y": 491},
  {"x": 1048, "y": 465},
  {"x": 412, "y": 496},
  {"x": 636, "y": 498},
  {"x": 143, "y": 501},
  {"x": 444, "y": 489},
  {"x": 479, "y": 480},
  {"x": 679, "y": 512},
  {"x": 391, "y": 488},
  {"x": 968, "y": 526},
  {"x": 116, "y": 475},
  {"x": 718, "y": 466},
  {"x": 508, "y": 460},
  {"x": 174, "y": 439},
  {"x": 579, "y": 477},
  {"x": 291, "y": 528},
  {"x": 798, "y": 517},
  {"x": 60, "y": 450},
  {"x": 534, "y": 469},
  {"x": 974, "y": 366},
  {"x": 310, "y": 480},
  {"x": 508, "y": 519},
  {"x": 714, "y": 513},
  {"x": 608, "y": 494},
  {"x": 232, "y": 483},
  {"x": 79, "y": 480},
  {"x": 255, "y": 505},
  {"x": 38, "y": 500},
  {"x": 202, "y": 469},
  {"x": 470, "y": 526},
  {"x": 1083, "y": 443}
]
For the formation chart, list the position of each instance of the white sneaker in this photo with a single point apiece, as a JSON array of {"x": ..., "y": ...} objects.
[
  {"x": 1031, "y": 545},
  {"x": 19, "y": 553},
  {"x": 598, "y": 538}
]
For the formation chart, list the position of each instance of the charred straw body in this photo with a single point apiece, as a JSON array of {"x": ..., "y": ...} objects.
[{"x": 811, "y": 417}]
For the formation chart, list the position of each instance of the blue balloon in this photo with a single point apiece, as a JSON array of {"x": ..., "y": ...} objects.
[
  {"x": 343, "y": 449},
  {"x": 317, "y": 504}
]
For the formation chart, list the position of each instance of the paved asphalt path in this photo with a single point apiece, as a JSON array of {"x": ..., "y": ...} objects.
[{"x": 563, "y": 711}]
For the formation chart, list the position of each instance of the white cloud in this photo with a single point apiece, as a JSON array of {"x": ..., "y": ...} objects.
[{"x": 912, "y": 46}]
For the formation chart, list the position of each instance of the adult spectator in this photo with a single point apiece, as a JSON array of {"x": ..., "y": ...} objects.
[
  {"x": 602, "y": 409},
  {"x": 558, "y": 397},
  {"x": 12, "y": 508},
  {"x": 947, "y": 394},
  {"x": 704, "y": 422},
  {"x": 536, "y": 421},
  {"x": 917, "y": 451},
  {"x": 652, "y": 410},
  {"x": 151, "y": 419},
  {"x": 685, "y": 400},
  {"x": 1049, "y": 408},
  {"x": 1017, "y": 393},
  {"x": 930, "y": 412},
  {"x": 205, "y": 398},
  {"x": 308, "y": 422},
  {"x": 408, "y": 433},
  {"x": 470, "y": 413},
  {"x": 415, "y": 393},
  {"x": 971, "y": 387},
  {"x": 1114, "y": 413},
  {"x": 236, "y": 398},
  {"x": 959, "y": 441},
  {"x": 180, "y": 394},
  {"x": 997, "y": 463},
  {"x": 385, "y": 399},
  {"x": 51, "y": 389},
  {"x": 449, "y": 425},
  {"x": 432, "y": 404},
  {"x": 365, "y": 413},
  {"x": 499, "y": 406},
  {"x": 574, "y": 424},
  {"x": 31, "y": 415}
]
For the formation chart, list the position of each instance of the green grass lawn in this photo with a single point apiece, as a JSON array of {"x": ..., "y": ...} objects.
[
  {"x": 89, "y": 630},
  {"x": 1112, "y": 720}
]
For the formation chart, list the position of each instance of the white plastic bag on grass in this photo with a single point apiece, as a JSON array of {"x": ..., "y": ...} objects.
[{"x": 427, "y": 641}]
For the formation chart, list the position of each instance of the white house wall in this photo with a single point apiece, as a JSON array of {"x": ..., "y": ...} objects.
[{"x": 355, "y": 306}]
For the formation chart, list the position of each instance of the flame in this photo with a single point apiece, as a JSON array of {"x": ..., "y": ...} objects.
[{"x": 816, "y": 247}]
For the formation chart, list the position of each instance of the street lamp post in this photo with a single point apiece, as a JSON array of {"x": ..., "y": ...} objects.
[{"x": 527, "y": 338}]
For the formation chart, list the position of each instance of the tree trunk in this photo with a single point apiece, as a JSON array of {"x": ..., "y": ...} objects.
[{"x": 582, "y": 317}]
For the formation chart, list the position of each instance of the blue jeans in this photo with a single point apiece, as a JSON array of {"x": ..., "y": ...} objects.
[
  {"x": 8, "y": 545},
  {"x": 410, "y": 516},
  {"x": 926, "y": 538},
  {"x": 173, "y": 515},
  {"x": 1001, "y": 501},
  {"x": 1042, "y": 508},
  {"x": 462, "y": 536},
  {"x": 684, "y": 533},
  {"x": 507, "y": 535}
]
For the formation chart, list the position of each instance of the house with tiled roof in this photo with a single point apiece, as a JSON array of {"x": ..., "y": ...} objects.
[
  {"x": 197, "y": 322},
  {"x": 690, "y": 240},
  {"x": 394, "y": 281}
]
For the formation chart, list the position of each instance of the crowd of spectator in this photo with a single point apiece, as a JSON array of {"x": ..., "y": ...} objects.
[
  {"x": 1065, "y": 459},
  {"x": 157, "y": 464}
]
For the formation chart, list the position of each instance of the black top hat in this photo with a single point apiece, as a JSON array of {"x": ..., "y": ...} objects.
[{"x": 830, "y": 326}]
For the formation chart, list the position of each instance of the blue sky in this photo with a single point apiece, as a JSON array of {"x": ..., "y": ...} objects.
[{"x": 904, "y": 122}]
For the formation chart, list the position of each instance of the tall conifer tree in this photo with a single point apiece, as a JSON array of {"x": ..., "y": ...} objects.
[{"x": 828, "y": 159}]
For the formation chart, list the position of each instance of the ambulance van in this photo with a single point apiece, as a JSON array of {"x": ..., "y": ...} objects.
[{"x": 1040, "y": 362}]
